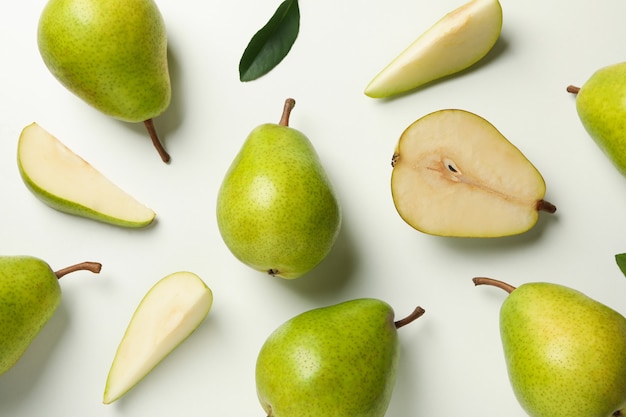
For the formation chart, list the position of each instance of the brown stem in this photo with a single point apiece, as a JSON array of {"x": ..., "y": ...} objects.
[
  {"x": 494, "y": 282},
  {"x": 287, "y": 108},
  {"x": 94, "y": 267},
  {"x": 156, "y": 141},
  {"x": 573, "y": 89},
  {"x": 543, "y": 205},
  {"x": 417, "y": 313}
]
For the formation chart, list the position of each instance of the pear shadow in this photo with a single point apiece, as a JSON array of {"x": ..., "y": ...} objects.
[
  {"x": 503, "y": 244},
  {"x": 333, "y": 273},
  {"x": 18, "y": 381},
  {"x": 171, "y": 119},
  {"x": 498, "y": 49},
  {"x": 405, "y": 391}
]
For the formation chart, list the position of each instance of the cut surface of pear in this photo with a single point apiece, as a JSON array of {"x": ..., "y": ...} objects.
[
  {"x": 455, "y": 174},
  {"x": 171, "y": 310},
  {"x": 457, "y": 41},
  {"x": 63, "y": 180}
]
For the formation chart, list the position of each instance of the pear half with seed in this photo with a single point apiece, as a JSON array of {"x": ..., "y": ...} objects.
[
  {"x": 457, "y": 41},
  {"x": 66, "y": 182},
  {"x": 167, "y": 315},
  {"x": 455, "y": 174}
]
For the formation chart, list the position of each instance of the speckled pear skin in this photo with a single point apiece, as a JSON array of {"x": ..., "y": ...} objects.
[
  {"x": 110, "y": 53},
  {"x": 565, "y": 352},
  {"x": 601, "y": 107},
  {"x": 29, "y": 295},
  {"x": 276, "y": 208},
  {"x": 339, "y": 360}
]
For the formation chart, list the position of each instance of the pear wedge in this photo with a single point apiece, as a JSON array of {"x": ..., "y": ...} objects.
[
  {"x": 171, "y": 310},
  {"x": 455, "y": 174},
  {"x": 66, "y": 182},
  {"x": 456, "y": 42}
]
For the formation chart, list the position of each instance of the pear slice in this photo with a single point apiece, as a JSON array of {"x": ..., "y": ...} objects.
[
  {"x": 66, "y": 182},
  {"x": 457, "y": 41},
  {"x": 455, "y": 174},
  {"x": 168, "y": 314}
]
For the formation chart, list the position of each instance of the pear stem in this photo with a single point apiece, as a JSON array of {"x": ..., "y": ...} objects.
[
  {"x": 94, "y": 267},
  {"x": 494, "y": 282},
  {"x": 573, "y": 89},
  {"x": 156, "y": 141},
  {"x": 543, "y": 205},
  {"x": 417, "y": 313},
  {"x": 287, "y": 108}
]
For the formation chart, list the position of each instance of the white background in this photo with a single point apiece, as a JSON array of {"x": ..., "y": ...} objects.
[{"x": 451, "y": 358}]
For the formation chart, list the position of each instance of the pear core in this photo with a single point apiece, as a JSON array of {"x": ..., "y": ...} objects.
[{"x": 455, "y": 174}]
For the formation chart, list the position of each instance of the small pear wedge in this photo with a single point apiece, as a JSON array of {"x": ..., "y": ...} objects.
[
  {"x": 171, "y": 310},
  {"x": 455, "y": 174},
  {"x": 456, "y": 42},
  {"x": 64, "y": 181}
]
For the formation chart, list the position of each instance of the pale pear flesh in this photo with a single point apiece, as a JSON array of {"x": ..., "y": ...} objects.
[
  {"x": 63, "y": 180},
  {"x": 167, "y": 315},
  {"x": 455, "y": 174},
  {"x": 456, "y": 42}
]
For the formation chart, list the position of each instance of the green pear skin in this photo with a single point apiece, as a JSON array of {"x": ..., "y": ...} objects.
[
  {"x": 64, "y": 181},
  {"x": 276, "y": 208},
  {"x": 110, "y": 53},
  {"x": 565, "y": 352},
  {"x": 601, "y": 107},
  {"x": 339, "y": 360},
  {"x": 29, "y": 296}
]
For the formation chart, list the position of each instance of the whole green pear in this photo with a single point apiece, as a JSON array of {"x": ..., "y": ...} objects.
[
  {"x": 565, "y": 352},
  {"x": 29, "y": 296},
  {"x": 601, "y": 107},
  {"x": 276, "y": 208},
  {"x": 110, "y": 53},
  {"x": 339, "y": 360}
]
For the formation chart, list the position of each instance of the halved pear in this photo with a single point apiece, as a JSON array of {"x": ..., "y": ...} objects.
[
  {"x": 66, "y": 182},
  {"x": 167, "y": 315},
  {"x": 457, "y": 41},
  {"x": 455, "y": 174}
]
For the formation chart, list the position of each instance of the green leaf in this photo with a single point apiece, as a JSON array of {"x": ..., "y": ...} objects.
[
  {"x": 621, "y": 262},
  {"x": 271, "y": 43}
]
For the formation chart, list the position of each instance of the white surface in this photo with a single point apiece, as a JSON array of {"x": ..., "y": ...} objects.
[{"x": 451, "y": 358}]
